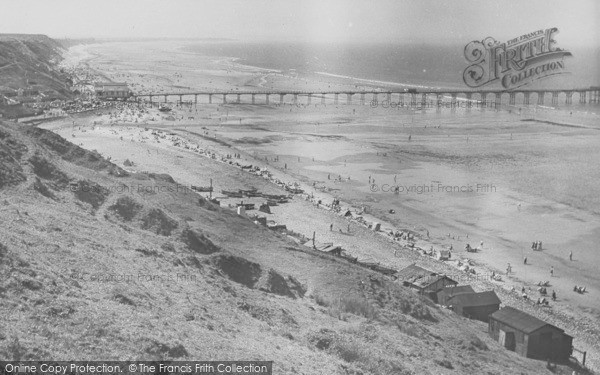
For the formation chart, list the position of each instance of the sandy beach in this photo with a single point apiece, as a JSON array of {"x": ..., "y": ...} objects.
[{"x": 497, "y": 180}]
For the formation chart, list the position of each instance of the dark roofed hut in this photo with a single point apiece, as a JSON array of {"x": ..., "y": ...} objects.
[
  {"x": 425, "y": 281},
  {"x": 475, "y": 305},
  {"x": 529, "y": 336},
  {"x": 449, "y": 291}
]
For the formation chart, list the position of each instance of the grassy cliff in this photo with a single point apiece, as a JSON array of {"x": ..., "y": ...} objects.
[{"x": 97, "y": 263}]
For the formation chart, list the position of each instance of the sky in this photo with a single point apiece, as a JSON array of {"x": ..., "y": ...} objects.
[{"x": 420, "y": 21}]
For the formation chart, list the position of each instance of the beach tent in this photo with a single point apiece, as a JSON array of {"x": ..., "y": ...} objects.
[{"x": 444, "y": 255}]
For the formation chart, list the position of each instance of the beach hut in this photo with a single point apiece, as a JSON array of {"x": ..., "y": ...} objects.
[
  {"x": 426, "y": 282},
  {"x": 473, "y": 305},
  {"x": 529, "y": 336},
  {"x": 446, "y": 293}
]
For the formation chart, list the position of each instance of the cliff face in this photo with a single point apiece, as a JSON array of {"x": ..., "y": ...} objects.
[{"x": 28, "y": 62}]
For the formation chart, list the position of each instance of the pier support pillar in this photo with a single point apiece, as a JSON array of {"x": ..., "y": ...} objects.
[
  {"x": 267, "y": 99},
  {"x": 389, "y": 97},
  {"x": 438, "y": 102},
  {"x": 196, "y": 99},
  {"x": 281, "y": 98},
  {"x": 309, "y": 100},
  {"x": 335, "y": 98},
  {"x": 239, "y": 98},
  {"x": 322, "y": 98},
  {"x": 582, "y": 97},
  {"x": 209, "y": 98},
  {"x": 151, "y": 104},
  {"x": 484, "y": 99},
  {"x": 375, "y": 97},
  {"x": 555, "y": 99},
  {"x": 526, "y": 98},
  {"x": 423, "y": 100},
  {"x": 453, "y": 103},
  {"x": 224, "y": 98},
  {"x": 362, "y": 98},
  {"x": 413, "y": 100},
  {"x": 511, "y": 98},
  {"x": 165, "y": 98},
  {"x": 498, "y": 102},
  {"x": 295, "y": 99},
  {"x": 349, "y": 98},
  {"x": 541, "y": 95},
  {"x": 253, "y": 98},
  {"x": 469, "y": 102},
  {"x": 569, "y": 99}
]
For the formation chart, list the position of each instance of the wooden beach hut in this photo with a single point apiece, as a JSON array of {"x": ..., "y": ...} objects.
[{"x": 529, "y": 336}]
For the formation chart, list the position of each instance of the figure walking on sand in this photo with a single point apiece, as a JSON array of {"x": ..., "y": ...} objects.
[
  {"x": 525, "y": 260},
  {"x": 331, "y": 227},
  {"x": 571, "y": 255},
  {"x": 552, "y": 271}
]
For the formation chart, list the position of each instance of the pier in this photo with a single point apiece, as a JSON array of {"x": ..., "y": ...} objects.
[{"x": 412, "y": 97}]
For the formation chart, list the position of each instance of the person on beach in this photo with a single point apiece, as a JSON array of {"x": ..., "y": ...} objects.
[
  {"x": 540, "y": 245},
  {"x": 534, "y": 246},
  {"x": 552, "y": 271},
  {"x": 571, "y": 255},
  {"x": 525, "y": 260},
  {"x": 331, "y": 227},
  {"x": 553, "y": 295}
]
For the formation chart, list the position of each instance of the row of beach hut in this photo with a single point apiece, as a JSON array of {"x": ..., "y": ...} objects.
[{"x": 514, "y": 329}]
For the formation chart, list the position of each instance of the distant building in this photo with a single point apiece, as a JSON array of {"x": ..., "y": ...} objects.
[
  {"x": 425, "y": 281},
  {"x": 446, "y": 293},
  {"x": 477, "y": 306},
  {"x": 529, "y": 336},
  {"x": 112, "y": 90}
]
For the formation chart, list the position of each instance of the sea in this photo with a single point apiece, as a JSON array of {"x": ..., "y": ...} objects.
[{"x": 429, "y": 65}]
